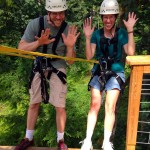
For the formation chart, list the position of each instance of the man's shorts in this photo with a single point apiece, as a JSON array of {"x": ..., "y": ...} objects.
[
  {"x": 58, "y": 90},
  {"x": 112, "y": 83}
]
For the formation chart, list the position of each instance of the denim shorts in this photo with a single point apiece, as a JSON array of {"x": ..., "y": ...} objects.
[{"x": 112, "y": 83}]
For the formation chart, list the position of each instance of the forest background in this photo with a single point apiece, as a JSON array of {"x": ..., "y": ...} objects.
[{"x": 14, "y": 74}]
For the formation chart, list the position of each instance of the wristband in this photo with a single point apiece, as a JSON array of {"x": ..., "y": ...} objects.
[{"x": 130, "y": 32}]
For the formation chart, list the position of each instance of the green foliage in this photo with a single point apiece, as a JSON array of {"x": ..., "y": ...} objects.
[{"x": 14, "y": 74}]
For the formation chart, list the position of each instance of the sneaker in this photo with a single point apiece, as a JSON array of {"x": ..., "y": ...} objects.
[
  {"x": 24, "y": 144},
  {"x": 62, "y": 145},
  {"x": 86, "y": 145},
  {"x": 108, "y": 146}
]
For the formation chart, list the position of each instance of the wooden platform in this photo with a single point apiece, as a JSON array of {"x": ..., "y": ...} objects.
[{"x": 33, "y": 148}]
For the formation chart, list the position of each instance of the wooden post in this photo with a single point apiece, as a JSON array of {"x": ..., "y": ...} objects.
[
  {"x": 139, "y": 66},
  {"x": 133, "y": 106}
]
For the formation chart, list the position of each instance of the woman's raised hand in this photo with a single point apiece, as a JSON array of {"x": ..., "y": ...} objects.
[
  {"x": 87, "y": 27},
  {"x": 131, "y": 21}
]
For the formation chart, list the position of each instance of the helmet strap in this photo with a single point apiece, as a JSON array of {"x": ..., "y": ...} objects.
[{"x": 49, "y": 20}]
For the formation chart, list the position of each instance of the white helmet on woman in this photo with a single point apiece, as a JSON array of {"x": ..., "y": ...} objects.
[
  {"x": 109, "y": 7},
  {"x": 56, "y": 5}
]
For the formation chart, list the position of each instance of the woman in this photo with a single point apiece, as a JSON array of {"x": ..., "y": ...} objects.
[{"x": 106, "y": 44}]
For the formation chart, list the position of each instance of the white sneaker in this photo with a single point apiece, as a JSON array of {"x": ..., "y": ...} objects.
[
  {"x": 86, "y": 145},
  {"x": 108, "y": 146}
]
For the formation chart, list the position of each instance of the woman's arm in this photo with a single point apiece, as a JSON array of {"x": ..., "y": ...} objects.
[
  {"x": 88, "y": 30},
  {"x": 130, "y": 46}
]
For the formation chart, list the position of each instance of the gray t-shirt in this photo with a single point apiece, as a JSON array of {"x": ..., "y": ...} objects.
[{"x": 32, "y": 31}]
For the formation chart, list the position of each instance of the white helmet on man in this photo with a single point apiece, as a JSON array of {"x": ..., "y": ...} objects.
[
  {"x": 56, "y": 5},
  {"x": 109, "y": 7}
]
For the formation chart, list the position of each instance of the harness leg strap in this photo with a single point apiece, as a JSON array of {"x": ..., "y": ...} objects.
[
  {"x": 61, "y": 75},
  {"x": 120, "y": 81}
]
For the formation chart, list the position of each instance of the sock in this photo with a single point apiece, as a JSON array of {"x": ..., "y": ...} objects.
[
  {"x": 29, "y": 134},
  {"x": 89, "y": 134},
  {"x": 107, "y": 135},
  {"x": 60, "y": 136}
]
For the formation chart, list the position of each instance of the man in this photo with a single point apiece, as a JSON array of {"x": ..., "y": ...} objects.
[
  {"x": 108, "y": 75},
  {"x": 46, "y": 42}
]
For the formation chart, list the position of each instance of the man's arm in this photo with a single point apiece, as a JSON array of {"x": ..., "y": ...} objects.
[
  {"x": 28, "y": 46},
  {"x": 70, "y": 41},
  {"x": 32, "y": 46}
]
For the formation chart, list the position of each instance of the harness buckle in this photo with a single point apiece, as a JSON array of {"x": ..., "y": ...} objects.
[
  {"x": 58, "y": 72},
  {"x": 44, "y": 63},
  {"x": 103, "y": 64},
  {"x": 117, "y": 76},
  {"x": 109, "y": 42}
]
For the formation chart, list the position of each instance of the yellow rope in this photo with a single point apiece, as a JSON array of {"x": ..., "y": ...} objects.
[
  {"x": 31, "y": 55},
  {"x": 19, "y": 55}
]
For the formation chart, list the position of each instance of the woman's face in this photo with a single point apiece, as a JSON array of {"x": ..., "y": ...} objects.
[{"x": 108, "y": 21}]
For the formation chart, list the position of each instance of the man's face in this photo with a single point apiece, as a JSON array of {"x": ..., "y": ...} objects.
[
  {"x": 108, "y": 21},
  {"x": 57, "y": 18}
]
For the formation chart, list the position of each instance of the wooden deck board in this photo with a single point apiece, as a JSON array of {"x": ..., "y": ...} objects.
[{"x": 33, "y": 148}]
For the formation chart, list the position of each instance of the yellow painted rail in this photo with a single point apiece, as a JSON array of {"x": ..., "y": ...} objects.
[
  {"x": 33, "y": 148},
  {"x": 31, "y": 55},
  {"x": 138, "y": 60}
]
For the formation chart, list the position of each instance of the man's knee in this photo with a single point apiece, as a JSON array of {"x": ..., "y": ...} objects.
[
  {"x": 60, "y": 110},
  {"x": 34, "y": 106}
]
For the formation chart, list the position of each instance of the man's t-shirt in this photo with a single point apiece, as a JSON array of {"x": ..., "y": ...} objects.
[{"x": 32, "y": 30}]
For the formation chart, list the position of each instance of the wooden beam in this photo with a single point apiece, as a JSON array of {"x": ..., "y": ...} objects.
[
  {"x": 138, "y": 60},
  {"x": 33, "y": 148},
  {"x": 133, "y": 106},
  {"x": 147, "y": 69},
  {"x": 129, "y": 147}
]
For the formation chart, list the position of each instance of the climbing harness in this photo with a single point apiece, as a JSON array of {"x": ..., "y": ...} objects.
[
  {"x": 42, "y": 64},
  {"x": 103, "y": 69}
]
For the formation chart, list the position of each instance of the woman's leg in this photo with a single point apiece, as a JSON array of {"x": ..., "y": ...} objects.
[
  {"x": 92, "y": 118},
  {"x": 110, "y": 106},
  {"x": 93, "y": 112}
]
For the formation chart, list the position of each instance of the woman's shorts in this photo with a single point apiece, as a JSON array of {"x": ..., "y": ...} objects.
[
  {"x": 112, "y": 83},
  {"x": 58, "y": 90}
]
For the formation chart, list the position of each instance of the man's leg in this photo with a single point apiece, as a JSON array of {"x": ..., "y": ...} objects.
[
  {"x": 33, "y": 111},
  {"x": 35, "y": 97},
  {"x": 58, "y": 92},
  {"x": 31, "y": 121},
  {"x": 60, "y": 122},
  {"x": 35, "y": 101}
]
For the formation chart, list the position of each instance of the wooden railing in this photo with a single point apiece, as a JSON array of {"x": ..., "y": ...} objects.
[{"x": 139, "y": 66}]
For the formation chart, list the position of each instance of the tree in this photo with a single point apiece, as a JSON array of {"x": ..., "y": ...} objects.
[{"x": 14, "y": 73}]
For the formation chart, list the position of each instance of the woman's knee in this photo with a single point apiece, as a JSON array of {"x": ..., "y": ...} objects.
[
  {"x": 95, "y": 106},
  {"x": 110, "y": 109}
]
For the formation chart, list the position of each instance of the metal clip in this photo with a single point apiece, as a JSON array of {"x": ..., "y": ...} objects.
[
  {"x": 44, "y": 63},
  {"x": 104, "y": 64}
]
